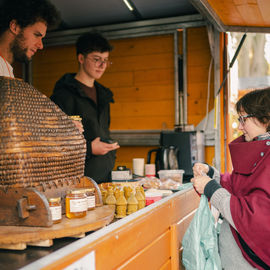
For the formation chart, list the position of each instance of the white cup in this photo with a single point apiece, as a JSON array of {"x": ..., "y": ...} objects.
[
  {"x": 138, "y": 166},
  {"x": 150, "y": 170}
]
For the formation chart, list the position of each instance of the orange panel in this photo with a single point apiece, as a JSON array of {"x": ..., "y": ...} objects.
[
  {"x": 227, "y": 12},
  {"x": 177, "y": 233},
  {"x": 264, "y": 7},
  {"x": 131, "y": 239},
  {"x": 125, "y": 154},
  {"x": 209, "y": 154},
  {"x": 176, "y": 230},
  {"x": 144, "y": 241},
  {"x": 141, "y": 62},
  {"x": 144, "y": 93},
  {"x": 251, "y": 14},
  {"x": 137, "y": 109},
  {"x": 242, "y": 12},
  {"x": 198, "y": 61},
  {"x": 166, "y": 266},
  {"x": 154, "y": 256},
  {"x": 142, "y": 46}
]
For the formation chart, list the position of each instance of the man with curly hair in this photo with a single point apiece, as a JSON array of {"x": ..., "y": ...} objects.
[{"x": 23, "y": 25}]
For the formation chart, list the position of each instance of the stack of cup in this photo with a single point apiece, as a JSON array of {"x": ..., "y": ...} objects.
[
  {"x": 150, "y": 170},
  {"x": 138, "y": 166}
]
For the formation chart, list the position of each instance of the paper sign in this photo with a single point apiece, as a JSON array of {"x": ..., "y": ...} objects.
[{"x": 85, "y": 263}]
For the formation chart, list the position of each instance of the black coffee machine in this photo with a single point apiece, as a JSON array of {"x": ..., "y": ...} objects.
[{"x": 184, "y": 146}]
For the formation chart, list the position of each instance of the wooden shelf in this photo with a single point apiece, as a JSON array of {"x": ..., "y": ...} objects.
[{"x": 18, "y": 237}]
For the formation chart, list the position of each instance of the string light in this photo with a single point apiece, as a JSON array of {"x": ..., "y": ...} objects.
[{"x": 128, "y": 5}]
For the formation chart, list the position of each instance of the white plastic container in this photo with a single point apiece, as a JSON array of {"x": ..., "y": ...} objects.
[
  {"x": 152, "y": 196},
  {"x": 175, "y": 175}
]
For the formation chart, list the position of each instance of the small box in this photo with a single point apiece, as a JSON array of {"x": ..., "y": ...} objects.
[{"x": 121, "y": 175}]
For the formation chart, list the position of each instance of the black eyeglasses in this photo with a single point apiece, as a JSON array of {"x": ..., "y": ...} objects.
[
  {"x": 98, "y": 61},
  {"x": 242, "y": 118}
]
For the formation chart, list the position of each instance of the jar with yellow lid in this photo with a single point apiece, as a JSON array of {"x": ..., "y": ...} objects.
[
  {"x": 56, "y": 209},
  {"x": 77, "y": 121},
  {"x": 76, "y": 203},
  {"x": 75, "y": 117},
  {"x": 91, "y": 199}
]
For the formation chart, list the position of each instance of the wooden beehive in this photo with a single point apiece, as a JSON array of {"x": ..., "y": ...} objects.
[
  {"x": 42, "y": 154},
  {"x": 39, "y": 144}
]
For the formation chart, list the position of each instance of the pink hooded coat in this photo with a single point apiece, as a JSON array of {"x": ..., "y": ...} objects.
[{"x": 249, "y": 185}]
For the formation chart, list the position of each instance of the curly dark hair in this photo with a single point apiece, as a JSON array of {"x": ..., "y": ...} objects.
[
  {"x": 257, "y": 104},
  {"x": 28, "y": 12},
  {"x": 92, "y": 42}
]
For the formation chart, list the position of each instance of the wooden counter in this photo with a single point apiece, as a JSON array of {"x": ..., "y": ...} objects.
[{"x": 148, "y": 239}]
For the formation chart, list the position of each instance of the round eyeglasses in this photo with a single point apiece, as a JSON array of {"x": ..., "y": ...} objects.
[
  {"x": 242, "y": 118},
  {"x": 98, "y": 61}
]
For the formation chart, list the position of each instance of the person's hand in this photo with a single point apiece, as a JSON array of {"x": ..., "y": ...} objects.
[
  {"x": 200, "y": 182},
  {"x": 102, "y": 148},
  {"x": 200, "y": 169},
  {"x": 78, "y": 125}
]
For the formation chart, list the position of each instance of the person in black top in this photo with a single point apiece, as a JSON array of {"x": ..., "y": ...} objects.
[{"x": 80, "y": 94}]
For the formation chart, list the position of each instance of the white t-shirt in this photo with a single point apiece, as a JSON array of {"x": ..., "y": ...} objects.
[{"x": 5, "y": 68}]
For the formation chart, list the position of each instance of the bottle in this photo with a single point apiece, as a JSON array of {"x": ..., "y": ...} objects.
[
  {"x": 91, "y": 199},
  {"x": 76, "y": 204},
  {"x": 142, "y": 191},
  {"x": 56, "y": 209},
  {"x": 140, "y": 198},
  {"x": 132, "y": 204},
  {"x": 116, "y": 193},
  {"x": 121, "y": 205},
  {"x": 110, "y": 200},
  {"x": 104, "y": 193},
  {"x": 127, "y": 191}
]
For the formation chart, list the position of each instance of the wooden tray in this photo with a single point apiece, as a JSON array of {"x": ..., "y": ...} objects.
[{"x": 18, "y": 237}]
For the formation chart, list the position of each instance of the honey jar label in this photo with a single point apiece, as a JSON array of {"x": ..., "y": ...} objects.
[
  {"x": 91, "y": 202},
  {"x": 78, "y": 205},
  {"x": 56, "y": 212}
]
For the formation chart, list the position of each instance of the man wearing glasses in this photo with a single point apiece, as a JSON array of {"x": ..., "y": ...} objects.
[{"x": 80, "y": 94}]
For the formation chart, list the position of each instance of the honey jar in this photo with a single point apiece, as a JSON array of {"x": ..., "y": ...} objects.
[
  {"x": 56, "y": 209},
  {"x": 76, "y": 204},
  {"x": 91, "y": 199}
]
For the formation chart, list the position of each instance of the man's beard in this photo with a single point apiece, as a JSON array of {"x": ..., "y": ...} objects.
[{"x": 18, "y": 50}]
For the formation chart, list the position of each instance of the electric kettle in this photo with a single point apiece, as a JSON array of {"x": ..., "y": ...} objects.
[{"x": 166, "y": 158}]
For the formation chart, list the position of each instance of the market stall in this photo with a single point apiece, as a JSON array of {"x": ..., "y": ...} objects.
[{"x": 147, "y": 239}]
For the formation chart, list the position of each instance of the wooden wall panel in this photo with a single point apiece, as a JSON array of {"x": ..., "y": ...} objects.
[
  {"x": 142, "y": 80},
  {"x": 50, "y": 64},
  {"x": 242, "y": 12},
  {"x": 125, "y": 155},
  {"x": 198, "y": 61},
  {"x": 209, "y": 154}
]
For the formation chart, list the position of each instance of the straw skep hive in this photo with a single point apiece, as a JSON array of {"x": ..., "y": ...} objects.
[{"x": 39, "y": 144}]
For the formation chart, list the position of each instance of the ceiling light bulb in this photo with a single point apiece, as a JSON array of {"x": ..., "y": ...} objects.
[{"x": 128, "y": 5}]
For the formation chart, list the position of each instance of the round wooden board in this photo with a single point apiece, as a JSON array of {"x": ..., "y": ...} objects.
[{"x": 95, "y": 219}]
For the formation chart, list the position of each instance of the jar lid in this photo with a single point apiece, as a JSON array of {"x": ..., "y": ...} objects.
[
  {"x": 75, "y": 117},
  {"x": 76, "y": 191},
  {"x": 56, "y": 199},
  {"x": 89, "y": 189}
]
